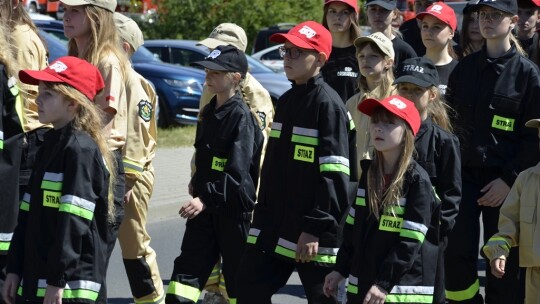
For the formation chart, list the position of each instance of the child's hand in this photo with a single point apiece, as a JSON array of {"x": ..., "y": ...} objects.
[
  {"x": 494, "y": 193},
  {"x": 10, "y": 288},
  {"x": 375, "y": 295},
  {"x": 53, "y": 295},
  {"x": 308, "y": 246},
  {"x": 192, "y": 208},
  {"x": 331, "y": 282},
  {"x": 497, "y": 266}
]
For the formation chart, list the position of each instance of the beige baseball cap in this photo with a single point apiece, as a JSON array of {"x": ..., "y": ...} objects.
[
  {"x": 533, "y": 123},
  {"x": 128, "y": 30},
  {"x": 383, "y": 42},
  {"x": 226, "y": 34},
  {"x": 109, "y": 5}
]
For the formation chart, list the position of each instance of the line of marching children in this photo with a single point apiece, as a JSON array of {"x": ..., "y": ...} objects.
[{"x": 376, "y": 190}]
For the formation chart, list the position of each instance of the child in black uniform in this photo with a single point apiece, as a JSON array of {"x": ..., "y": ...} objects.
[
  {"x": 390, "y": 239},
  {"x": 228, "y": 148},
  {"x": 58, "y": 252}
]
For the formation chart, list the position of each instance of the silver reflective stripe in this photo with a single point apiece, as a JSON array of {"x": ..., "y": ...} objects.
[
  {"x": 332, "y": 159},
  {"x": 54, "y": 177},
  {"x": 83, "y": 284},
  {"x": 426, "y": 290},
  {"x": 254, "y": 231},
  {"x": 328, "y": 251},
  {"x": 361, "y": 192},
  {"x": 402, "y": 201},
  {"x": 79, "y": 202},
  {"x": 6, "y": 237},
  {"x": 353, "y": 280},
  {"x": 26, "y": 197},
  {"x": 277, "y": 126},
  {"x": 349, "y": 116},
  {"x": 322, "y": 250},
  {"x": 352, "y": 212},
  {"x": 1, "y": 135},
  {"x": 305, "y": 131},
  {"x": 287, "y": 244},
  {"x": 415, "y": 226},
  {"x": 42, "y": 283}
]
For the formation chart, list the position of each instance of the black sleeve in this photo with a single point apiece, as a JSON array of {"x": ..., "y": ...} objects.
[
  {"x": 15, "y": 258},
  {"x": 448, "y": 186}
]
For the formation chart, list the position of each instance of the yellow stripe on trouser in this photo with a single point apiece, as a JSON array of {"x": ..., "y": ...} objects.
[
  {"x": 184, "y": 291},
  {"x": 462, "y": 295},
  {"x": 133, "y": 237}
]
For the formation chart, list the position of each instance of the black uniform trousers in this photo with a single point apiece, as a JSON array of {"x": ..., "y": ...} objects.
[
  {"x": 439, "y": 296},
  {"x": 463, "y": 247},
  {"x": 261, "y": 275},
  {"x": 207, "y": 236}
]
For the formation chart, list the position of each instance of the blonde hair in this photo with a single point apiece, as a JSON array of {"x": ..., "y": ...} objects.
[
  {"x": 104, "y": 39},
  {"x": 439, "y": 110},
  {"x": 519, "y": 48},
  {"x": 354, "y": 29},
  {"x": 386, "y": 85},
  {"x": 89, "y": 118},
  {"x": 7, "y": 57},
  {"x": 380, "y": 196}
]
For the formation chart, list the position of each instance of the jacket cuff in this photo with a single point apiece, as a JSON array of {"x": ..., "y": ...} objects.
[
  {"x": 387, "y": 286},
  {"x": 313, "y": 227},
  {"x": 509, "y": 177},
  {"x": 57, "y": 282}
]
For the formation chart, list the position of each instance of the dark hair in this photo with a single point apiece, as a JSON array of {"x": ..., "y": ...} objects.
[
  {"x": 465, "y": 42},
  {"x": 354, "y": 30}
]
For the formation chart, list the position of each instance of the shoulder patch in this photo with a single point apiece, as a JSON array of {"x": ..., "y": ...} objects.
[
  {"x": 262, "y": 117},
  {"x": 145, "y": 110}
]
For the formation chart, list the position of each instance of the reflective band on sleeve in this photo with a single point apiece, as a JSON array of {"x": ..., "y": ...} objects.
[
  {"x": 410, "y": 294},
  {"x": 305, "y": 136},
  {"x": 352, "y": 287},
  {"x": 463, "y": 295},
  {"x": 52, "y": 181},
  {"x": 5, "y": 241},
  {"x": 394, "y": 210},
  {"x": 232, "y": 301},
  {"x": 413, "y": 230},
  {"x": 276, "y": 130},
  {"x": 1, "y": 140},
  {"x": 252, "y": 236},
  {"x": 503, "y": 123},
  {"x": 132, "y": 167},
  {"x": 350, "y": 216},
  {"x": 498, "y": 241},
  {"x": 288, "y": 249},
  {"x": 351, "y": 121},
  {"x": 361, "y": 197},
  {"x": 25, "y": 203},
  {"x": 184, "y": 291},
  {"x": 81, "y": 289},
  {"x": 77, "y": 206},
  {"x": 218, "y": 164},
  {"x": 334, "y": 163}
]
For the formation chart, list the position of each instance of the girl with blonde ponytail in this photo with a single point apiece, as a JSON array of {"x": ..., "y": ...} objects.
[{"x": 60, "y": 243}]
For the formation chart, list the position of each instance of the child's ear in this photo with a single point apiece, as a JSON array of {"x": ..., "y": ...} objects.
[{"x": 321, "y": 60}]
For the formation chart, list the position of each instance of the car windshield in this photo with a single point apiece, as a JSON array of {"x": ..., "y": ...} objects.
[
  {"x": 256, "y": 67},
  {"x": 144, "y": 55}
]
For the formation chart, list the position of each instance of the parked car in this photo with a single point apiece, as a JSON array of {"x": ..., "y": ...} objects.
[
  {"x": 184, "y": 52},
  {"x": 179, "y": 88},
  {"x": 262, "y": 40},
  {"x": 270, "y": 57}
]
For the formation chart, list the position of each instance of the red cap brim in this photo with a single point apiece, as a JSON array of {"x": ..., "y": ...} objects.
[
  {"x": 299, "y": 42},
  {"x": 368, "y": 105},
  {"x": 34, "y": 77}
]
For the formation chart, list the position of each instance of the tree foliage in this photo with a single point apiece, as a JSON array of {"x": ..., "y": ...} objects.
[{"x": 195, "y": 19}]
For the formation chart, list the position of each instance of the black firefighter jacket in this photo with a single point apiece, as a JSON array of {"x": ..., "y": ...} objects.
[
  {"x": 493, "y": 99},
  {"x": 61, "y": 237},
  {"x": 308, "y": 175},
  {"x": 228, "y": 147},
  {"x": 398, "y": 252}
]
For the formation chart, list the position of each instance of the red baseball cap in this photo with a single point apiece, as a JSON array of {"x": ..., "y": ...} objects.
[
  {"x": 70, "y": 70},
  {"x": 307, "y": 35},
  {"x": 399, "y": 106},
  {"x": 351, "y": 3},
  {"x": 441, "y": 11}
]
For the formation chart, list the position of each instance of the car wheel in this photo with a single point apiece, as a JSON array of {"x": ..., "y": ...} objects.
[
  {"x": 163, "y": 119},
  {"x": 32, "y": 8}
]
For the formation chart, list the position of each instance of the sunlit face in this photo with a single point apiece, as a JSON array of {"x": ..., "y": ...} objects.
[
  {"x": 52, "y": 107},
  {"x": 387, "y": 136},
  {"x": 76, "y": 22},
  {"x": 528, "y": 19},
  {"x": 371, "y": 62},
  {"x": 338, "y": 17},
  {"x": 494, "y": 24},
  {"x": 379, "y": 18},
  {"x": 218, "y": 82},
  {"x": 419, "y": 95},
  {"x": 435, "y": 33},
  {"x": 302, "y": 68}
]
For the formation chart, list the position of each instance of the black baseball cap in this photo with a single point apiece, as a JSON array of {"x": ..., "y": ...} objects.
[
  {"x": 419, "y": 71},
  {"x": 386, "y": 4},
  {"x": 226, "y": 58},
  {"x": 507, "y": 6}
]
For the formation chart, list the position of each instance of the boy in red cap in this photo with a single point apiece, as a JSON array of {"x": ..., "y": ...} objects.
[
  {"x": 59, "y": 248},
  {"x": 390, "y": 239},
  {"x": 307, "y": 175},
  {"x": 528, "y": 13}
]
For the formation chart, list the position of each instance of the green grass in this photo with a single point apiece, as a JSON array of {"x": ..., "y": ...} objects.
[{"x": 183, "y": 136}]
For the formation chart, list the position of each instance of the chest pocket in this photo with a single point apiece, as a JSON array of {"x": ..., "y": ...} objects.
[
  {"x": 52, "y": 189},
  {"x": 505, "y": 112}
]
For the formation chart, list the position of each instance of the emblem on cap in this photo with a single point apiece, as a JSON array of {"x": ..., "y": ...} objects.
[
  {"x": 436, "y": 9},
  {"x": 413, "y": 68},
  {"x": 58, "y": 67},
  {"x": 398, "y": 103},
  {"x": 214, "y": 54},
  {"x": 307, "y": 31}
]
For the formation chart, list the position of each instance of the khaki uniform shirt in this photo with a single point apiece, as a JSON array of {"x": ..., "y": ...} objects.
[
  {"x": 30, "y": 54},
  {"x": 141, "y": 139},
  {"x": 113, "y": 96},
  {"x": 259, "y": 101},
  {"x": 518, "y": 221}
]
